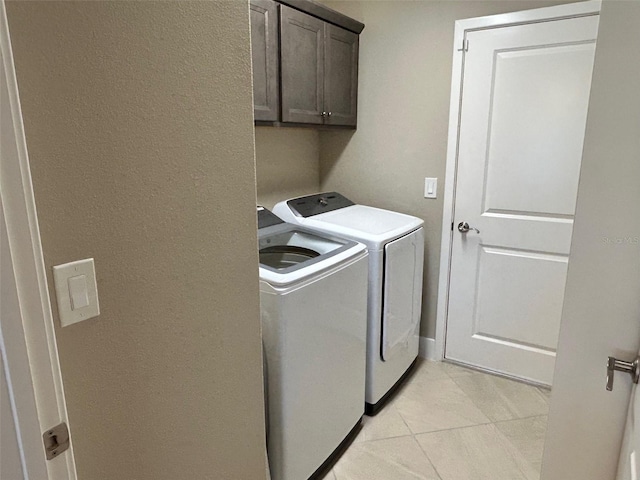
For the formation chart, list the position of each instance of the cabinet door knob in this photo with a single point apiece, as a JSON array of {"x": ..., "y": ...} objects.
[
  {"x": 323, "y": 114},
  {"x": 329, "y": 114}
]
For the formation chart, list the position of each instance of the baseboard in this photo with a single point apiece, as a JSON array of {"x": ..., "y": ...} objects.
[{"x": 427, "y": 348}]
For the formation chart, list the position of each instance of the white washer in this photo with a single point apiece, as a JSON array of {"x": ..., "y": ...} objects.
[
  {"x": 313, "y": 296},
  {"x": 396, "y": 251}
]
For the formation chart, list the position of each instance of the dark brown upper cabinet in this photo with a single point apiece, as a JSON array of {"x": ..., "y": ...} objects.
[
  {"x": 340, "y": 76},
  {"x": 302, "y": 60},
  {"x": 264, "y": 57},
  {"x": 318, "y": 63}
]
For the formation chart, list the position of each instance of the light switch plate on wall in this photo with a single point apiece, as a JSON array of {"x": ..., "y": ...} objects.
[
  {"x": 430, "y": 187},
  {"x": 76, "y": 291}
]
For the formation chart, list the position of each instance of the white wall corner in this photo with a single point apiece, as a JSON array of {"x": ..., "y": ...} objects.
[{"x": 427, "y": 349}]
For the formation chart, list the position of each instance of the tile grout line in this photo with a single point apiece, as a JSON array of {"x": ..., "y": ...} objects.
[
  {"x": 471, "y": 400},
  {"x": 536, "y": 389},
  {"x": 498, "y": 432},
  {"x": 468, "y": 373},
  {"x": 515, "y": 446},
  {"x": 454, "y": 428},
  {"x": 521, "y": 418},
  {"x": 447, "y": 376},
  {"x": 373, "y": 440},
  {"x": 493, "y": 423},
  {"x": 404, "y": 421},
  {"x": 428, "y": 457},
  {"x": 524, "y": 458}
]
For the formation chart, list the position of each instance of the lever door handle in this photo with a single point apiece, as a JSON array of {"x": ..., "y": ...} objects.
[
  {"x": 631, "y": 368},
  {"x": 464, "y": 227}
]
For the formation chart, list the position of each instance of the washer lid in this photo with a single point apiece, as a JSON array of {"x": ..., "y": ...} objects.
[
  {"x": 373, "y": 226},
  {"x": 290, "y": 253}
]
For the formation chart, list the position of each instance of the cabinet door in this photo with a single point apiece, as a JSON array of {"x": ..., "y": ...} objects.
[
  {"x": 341, "y": 76},
  {"x": 264, "y": 55},
  {"x": 302, "y": 64}
]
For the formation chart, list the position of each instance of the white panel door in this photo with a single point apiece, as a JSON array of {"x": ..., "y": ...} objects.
[
  {"x": 21, "y": 451},
  {"x": 629, "y": 466},
  {"x": 10, "y": 462},
  {"x": 601, "y": 312},
  {"x": 523, "y": 115},
  {"x": 31, "y": 392}
]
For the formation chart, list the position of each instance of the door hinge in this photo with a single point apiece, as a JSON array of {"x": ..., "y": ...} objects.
[
  {"x": 56, "y": 440},
  {"x": 465, "y": 45},
  {"x": 452, "y": 226}
]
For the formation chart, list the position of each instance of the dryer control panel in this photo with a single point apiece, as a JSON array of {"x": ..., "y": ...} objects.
[{"x": 318, "y": 203}]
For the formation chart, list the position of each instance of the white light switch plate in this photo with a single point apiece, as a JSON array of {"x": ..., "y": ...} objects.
[
  {"x": 76, "y": 291},
  {"x": 430, "y": 187}
]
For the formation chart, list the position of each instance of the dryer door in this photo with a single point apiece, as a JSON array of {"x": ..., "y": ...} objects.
[{"x": 402, "y": 297}]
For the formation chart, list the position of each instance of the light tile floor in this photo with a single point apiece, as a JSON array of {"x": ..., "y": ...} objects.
[{"x": 451, "y": 423}]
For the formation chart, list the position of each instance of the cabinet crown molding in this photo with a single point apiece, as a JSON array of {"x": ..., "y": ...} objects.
[{"x": 325, "y": 13}]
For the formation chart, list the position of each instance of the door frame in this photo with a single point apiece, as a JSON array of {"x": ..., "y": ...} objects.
[
  {"x": 462, "y": 28},
  {"x": 32, "y": 351}
]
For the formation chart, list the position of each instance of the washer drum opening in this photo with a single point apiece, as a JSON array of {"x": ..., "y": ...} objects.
[{"x": 285, "y": 256}]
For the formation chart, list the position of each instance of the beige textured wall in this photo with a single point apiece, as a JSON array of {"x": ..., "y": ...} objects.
[
  {"x": 403, "y": 113},
  {"x": 287, "y": 163},
  {"x": 139, "y": 126}
]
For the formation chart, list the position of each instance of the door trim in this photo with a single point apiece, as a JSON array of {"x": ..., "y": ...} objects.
[
  {"x": 462, "y": 27},
  {"x": 36, "y": 322}
]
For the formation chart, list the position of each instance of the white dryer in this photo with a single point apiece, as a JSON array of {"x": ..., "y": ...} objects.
[
  {"x": 313, "y": 299},
  {"x": 396, "y": 251}
]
